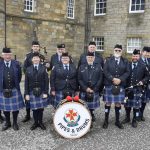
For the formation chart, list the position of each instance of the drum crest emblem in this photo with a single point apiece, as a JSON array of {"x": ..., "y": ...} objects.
[{"x": 71, "y": 117}]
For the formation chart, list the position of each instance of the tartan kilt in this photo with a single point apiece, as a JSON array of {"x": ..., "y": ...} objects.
[
  {"x": 95, "y": 103},
  {"x": 108, "y": 97},
  {"x": 146, "y": 96},
  {"x": 13, "y": 103},
  {"x": 58, "y": 98},
  {"x": 136, "y": 102},
  {"x": 37, "y": 102}
]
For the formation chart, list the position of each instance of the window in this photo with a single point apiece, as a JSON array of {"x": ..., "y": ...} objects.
[
  {"x": 70, "y": 9},
  {"x": 28, "y": 5},
  {"x": 100, "y": 7},
  {"x": 133, "y": 43},
  {"x": 137, "y": 6},
  {"x": 99, "y": 43}
]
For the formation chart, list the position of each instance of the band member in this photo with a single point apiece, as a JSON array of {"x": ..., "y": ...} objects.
[
  {"x": 146, "y": 97},
  {"x": 27, "y": 63},
  {"x": 63, "y": 79},
  {"x": 10, "y": 96},
  {"x": 56, "y": 58},
  {"x": 91, "y": 48},
  {"x": 90, "y": 79},
  {"x": 36, "y": 90},
  {"x": 138, "y": 77},
  {"x": 116, "y": 71}
]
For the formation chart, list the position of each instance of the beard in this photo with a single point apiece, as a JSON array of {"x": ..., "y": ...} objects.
[{"x": 117, "y": 55}]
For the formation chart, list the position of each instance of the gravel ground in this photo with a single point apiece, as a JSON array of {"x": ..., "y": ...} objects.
[{"x": 97, "y": 138}]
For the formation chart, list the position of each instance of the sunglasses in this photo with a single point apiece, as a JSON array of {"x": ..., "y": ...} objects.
[{"x": 117, "y": 50}]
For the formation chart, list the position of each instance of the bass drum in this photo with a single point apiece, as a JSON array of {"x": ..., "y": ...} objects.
[{"x": 72, "y": 119}]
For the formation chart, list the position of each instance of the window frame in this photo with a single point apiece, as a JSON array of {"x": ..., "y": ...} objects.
[
  {"x": 136, "y": 11},
  {"x": 72, "y": 10},
  {"x": 100, "y": 14},
  {"x": 25, "y": 7},
  {"x": 94, "y": 39},
  {"x": 133, "y": 46}
]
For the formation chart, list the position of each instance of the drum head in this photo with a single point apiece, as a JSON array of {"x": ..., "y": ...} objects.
[{"x": 72, "y": 120}]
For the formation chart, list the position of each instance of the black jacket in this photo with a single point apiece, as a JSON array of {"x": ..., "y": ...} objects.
[
  {"x": 95, "y": 76},
  {"x": 59, "y": 79},
  {"x": 42, "y": 78},
  {"x": 140, "y": 74},
  {"x": 122, "y": 71}
]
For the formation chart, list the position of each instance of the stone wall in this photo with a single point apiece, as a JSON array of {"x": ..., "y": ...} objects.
[
  {"x": 118, "y": 24},
  {"x": 48, "y": 24}
]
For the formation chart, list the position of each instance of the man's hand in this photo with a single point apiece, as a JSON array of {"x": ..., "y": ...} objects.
[
  {"x": 53, "y": 93},
  {"x": 89, "y": 90},
  {"x": 27, "y": 97},
  {"x": 116, "y": 81}
]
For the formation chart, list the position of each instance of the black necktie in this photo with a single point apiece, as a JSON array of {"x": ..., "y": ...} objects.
[
  {"x": 7, "y": 65},
  {"x": 35, "y": 67},
  {"x": 116, "y": 62},
  {"x": 134, "y": 65},
  {"x": 145, "y": 61},
  {"x": 66, "y": 69}
]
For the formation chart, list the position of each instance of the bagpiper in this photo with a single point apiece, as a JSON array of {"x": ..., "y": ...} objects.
[
  {"x": 134, "y": 91},
  {"x": 27, "y": 63},
  {"x": 11, "y": 99},
  {"x": 63, "y": 79},
  {"x": 146, "y": 96},
  {"x": 116, "y": 71},
  {"x": 36, "y": 90},
  {"x": 90, "y": 76}
]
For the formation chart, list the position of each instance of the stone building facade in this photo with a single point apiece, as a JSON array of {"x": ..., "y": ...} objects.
[
  {"x": 48, "y": 23},
  {"x": 106, "y": 21}
]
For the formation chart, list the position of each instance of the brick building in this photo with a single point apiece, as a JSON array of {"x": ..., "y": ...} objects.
[{"x": 75, "y": 23}]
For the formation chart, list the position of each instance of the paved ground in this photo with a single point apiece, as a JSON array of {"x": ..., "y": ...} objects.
[{"x": 98, "y": 138}]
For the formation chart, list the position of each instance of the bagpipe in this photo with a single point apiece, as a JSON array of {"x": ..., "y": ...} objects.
[{"x": 129, "y": 91}]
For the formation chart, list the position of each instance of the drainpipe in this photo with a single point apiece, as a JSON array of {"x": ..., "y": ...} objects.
[{"x": 5, "y": 22}]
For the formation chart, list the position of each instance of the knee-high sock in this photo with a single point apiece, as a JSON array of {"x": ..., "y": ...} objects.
[
  {"x": 107, "y": 110},
  {"x": 7, "y": 116},
  {"x": 35, "y": 116},
  {"x": 15, "y": 115},
  {"x": 117, "y": 112}
]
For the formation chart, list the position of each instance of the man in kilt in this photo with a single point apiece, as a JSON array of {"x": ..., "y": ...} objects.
[
  {"x": 11, "y": 99},
  {"x": 27, "y": 63},
  {"x": 146, "y": 96},
  {"x": 63, "y": 79},
  {"x": 36, "y": 90},
  {"x": 90, "y": 76},
  {"x": 116, "y": 71},
  {"x": 138, "y": 77}
]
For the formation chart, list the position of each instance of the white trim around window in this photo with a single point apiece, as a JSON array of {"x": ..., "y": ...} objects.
[
  {"x": 29, "y": 5},
  {"x": 70, "y": 9},
  {"x": 133, "y": 43},
  {"x": 137, "y": 6},
  {"x": 99, "y": 40},
  {"x": 100, "y": 7}
]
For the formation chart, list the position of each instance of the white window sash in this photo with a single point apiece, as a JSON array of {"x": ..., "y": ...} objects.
[
  {"x": 133, "y": 42},
  {"x": 95, "y": 39},
  {"x": 28, "y": 10},
  {"x": 69, "y": 8},
  {"x": 134, "y": 11},
  {"x": 100, "y": 14}
]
